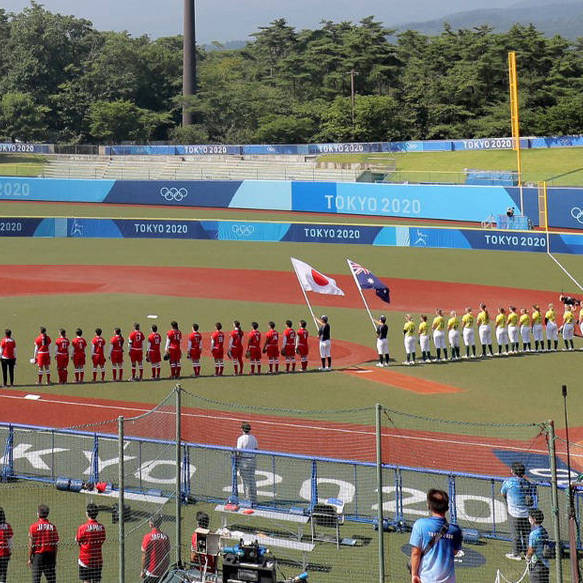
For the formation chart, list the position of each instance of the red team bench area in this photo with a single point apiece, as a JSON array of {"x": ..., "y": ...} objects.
[{"x": 235, "y": 345}]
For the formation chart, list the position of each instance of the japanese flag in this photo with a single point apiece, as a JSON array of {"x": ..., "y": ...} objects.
[{"x": 312, "y": 280}]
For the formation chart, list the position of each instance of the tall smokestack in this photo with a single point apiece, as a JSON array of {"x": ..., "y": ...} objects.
[{"x": 188, "y": 58}]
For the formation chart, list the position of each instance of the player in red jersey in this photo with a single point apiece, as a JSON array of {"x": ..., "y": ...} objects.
[
  {"x": 42, "y": 356},
  {"x": 288, "y": 347},
  {"x": 195, "y": 349},
  {"x": 7, "y": 359},
  {"x": 79, "y": 346},
  {"x": 302, "y": 344},
  {"x": 218, "y": 349},
  {"x": 155, "y": 552},
  {"x": 271, "y": 348},
  {"x": 136, "y": 344},
  {"x": 43, "y": 541},
  {"x": 235, "y": 351},
  {"x": 153, "y": 355},
  {"x": 6, "y": 536},
  {"x": 98, "y": 354},
  {"x": 90, "y": 538},
  {"x": 173, "y": 340},
  {"x": 62, "y": 345},
  {"x": 254, "y": 348},
  {"x": 116, "y": 353}
]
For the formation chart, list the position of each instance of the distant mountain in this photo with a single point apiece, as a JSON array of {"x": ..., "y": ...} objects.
[
  {"x": 564, "y": 18},
  {"x": 232, "y": 45}
]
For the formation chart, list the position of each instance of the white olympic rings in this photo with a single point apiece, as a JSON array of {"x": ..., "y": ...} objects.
[
  {"x": 172, "y": 193},
  {"x": 577, "y": 214}
]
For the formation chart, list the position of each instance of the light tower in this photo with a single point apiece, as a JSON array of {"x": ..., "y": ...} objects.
[{"x": 188, "y": 59}]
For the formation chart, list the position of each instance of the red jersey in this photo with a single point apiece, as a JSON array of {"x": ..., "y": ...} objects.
[
  {"x": 302, "y": 338},
  {"x": 79, "y": 345},
  {"x": 8, "y": 348},
  {"x": 44, "y": 536},
  {"x": 174, "y": 339},
  {"x": 272, "y": 338},
  {"x": 156, "y": 546},
  {"x": 136, "y": 339},
  {"x": 98, "y": 345},
  {"x": 42, "y": 343},
  {"x": 236, "y": 339},
  {"x": 62, "y": 345},
  {"x": 6, "y": 535},
  {"x": 218, "y": 340},
  {"x": 155, "y": 341},
  {"x": 116, "y": 343},
  {"x": 289, "y": 335},
  {"x": 90, "y": 538},
  {"x": 195, "y": 340},
  {"x": 254, "y": 339}
]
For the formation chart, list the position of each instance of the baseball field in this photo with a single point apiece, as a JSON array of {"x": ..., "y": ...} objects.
[{"x": 91, "y": 283}]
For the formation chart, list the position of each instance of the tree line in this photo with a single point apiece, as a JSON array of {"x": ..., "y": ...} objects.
[{"x": 63, "y": 81}]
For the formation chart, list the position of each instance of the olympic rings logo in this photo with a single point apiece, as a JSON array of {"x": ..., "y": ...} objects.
[
  {"x": 243, "y": 230},
  {"x": 173, "y": 194},
  {"x": 577, "y": 214}
]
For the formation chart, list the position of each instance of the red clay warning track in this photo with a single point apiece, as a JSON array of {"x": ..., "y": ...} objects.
[{"x": 250, "y": 285}]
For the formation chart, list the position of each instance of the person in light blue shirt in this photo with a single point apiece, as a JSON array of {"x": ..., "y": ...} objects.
[
  {"x": 538, "y": 566},
  {"x": 435, "y": 564},
  {"x": 520, "y": 496}
]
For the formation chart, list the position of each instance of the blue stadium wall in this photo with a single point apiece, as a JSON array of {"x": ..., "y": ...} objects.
[
  {"x": 391, "y": 236},
  {"x": 442, "y": 202}
]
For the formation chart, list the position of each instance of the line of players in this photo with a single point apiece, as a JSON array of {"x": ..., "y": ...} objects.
[
  {"x": 64, "y": 350},
  {"x": 510, "y": 325}
]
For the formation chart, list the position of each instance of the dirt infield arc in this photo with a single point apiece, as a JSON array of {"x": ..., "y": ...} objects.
[{"x": 251, "y": 285}]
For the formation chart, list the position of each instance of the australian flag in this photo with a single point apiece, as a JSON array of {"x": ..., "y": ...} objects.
[{"x": 368, "y": 280}]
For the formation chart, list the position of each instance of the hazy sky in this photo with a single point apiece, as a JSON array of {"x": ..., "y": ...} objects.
[{"x": 225, "y": 20}]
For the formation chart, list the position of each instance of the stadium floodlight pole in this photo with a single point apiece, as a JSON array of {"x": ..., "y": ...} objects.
[
  {"x": 353, "y": 73},
  {"x": 514, "y": 120},
  {"x": 188, "y": 60}
]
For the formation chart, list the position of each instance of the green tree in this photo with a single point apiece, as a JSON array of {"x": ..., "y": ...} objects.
[{"x": 21, "y": 118}]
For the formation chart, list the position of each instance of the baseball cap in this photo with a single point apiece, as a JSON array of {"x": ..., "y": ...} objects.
[
  {"x": 324, "y": 317},
  {"x": 383, "y": 318}
]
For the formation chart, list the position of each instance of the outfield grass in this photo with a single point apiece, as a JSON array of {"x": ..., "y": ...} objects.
[
  {"x": 21, "y": 165},
  {"x": 538, "y": 164}
]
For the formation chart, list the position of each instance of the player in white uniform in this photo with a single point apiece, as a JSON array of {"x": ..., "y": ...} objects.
[
  {"x": 568, "y": 327},
  {"x": 453, "y": 333},
  {"x": 525, "y": 330},
  {"x": 501, "y": 332},
  {"x": 484, "y": 330},
  {"x": 410, "y": 339},
  {"x": 438, "y": 327},
  {"x": 382, "y": 341},
  {"x": 552, "y": 328},
  {"x": 513, "y": 329},
  {"x": 424, "y": 339},
  {"x": 537, "y": 328},
  {"x": 468, "y": 333}
]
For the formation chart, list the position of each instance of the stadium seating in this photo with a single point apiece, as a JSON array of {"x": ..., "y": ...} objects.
[{"x": 193, "y": 168}]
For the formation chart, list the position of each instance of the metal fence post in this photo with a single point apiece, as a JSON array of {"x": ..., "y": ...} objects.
[
  {"x": 178, "y": 390},
  {"x": 121, "y": 523},
  {"x": 380, "y": 495},
  {"x": 555, "y": 500}
]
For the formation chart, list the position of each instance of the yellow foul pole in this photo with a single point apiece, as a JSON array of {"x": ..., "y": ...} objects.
[{"x": 514, "y": 120}]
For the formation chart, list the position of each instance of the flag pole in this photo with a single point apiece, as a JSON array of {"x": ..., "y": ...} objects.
[
  {"x": 305, "y": 296},
  {"x": 361, "y": 294}
]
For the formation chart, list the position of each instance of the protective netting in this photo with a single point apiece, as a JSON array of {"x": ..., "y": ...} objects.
[
  {"x": 315, "y": 477},
  {"x": 471, "y": 462}
]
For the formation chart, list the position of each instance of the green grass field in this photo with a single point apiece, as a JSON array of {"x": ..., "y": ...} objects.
[{"x": 511, "y": 390}]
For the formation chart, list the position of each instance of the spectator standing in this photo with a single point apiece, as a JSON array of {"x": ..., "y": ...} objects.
[
  {"x": 324, "y": 336},
  {"x": 43, "y": 540},
  {"x": 434, "y": 543},
  {"x": 155, "y": 552},
  {"x": 6, "y": 535},
  {"x": 538, "y": 566},
  {"x": 247, "y": 462},
  {"x": 519, "y": 495},
  {"x": 8, "y": 356},
  {"x": 90, "y": 538}
]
